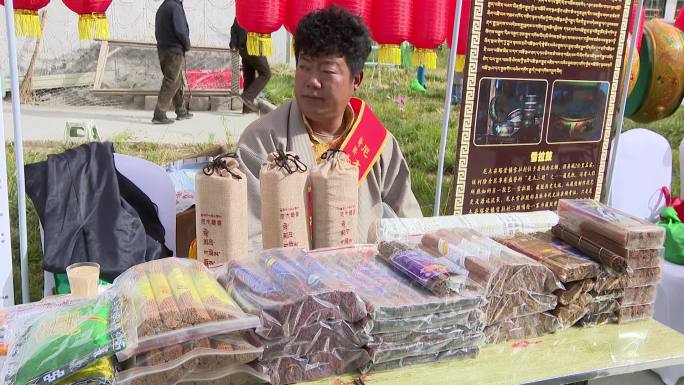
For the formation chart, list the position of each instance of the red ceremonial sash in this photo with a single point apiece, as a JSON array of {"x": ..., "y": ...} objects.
[{"x": 367, "y": 138}]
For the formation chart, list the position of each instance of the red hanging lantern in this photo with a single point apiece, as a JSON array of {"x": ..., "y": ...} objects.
[
  {"x": 260, "y": 18},
  {"x": 26, "y": 21},
  {"x": 463, "y": 31},
  {"x": 679, "y": 21},
  {"x": 429, "y": 26},
  {"x": 297, "y": 9},
  {"x": 640, "y": 28},
  {"x": 92, "y": 21},
  {"x": 361, "y": 8},
  {"x": 391, "y": 26}
]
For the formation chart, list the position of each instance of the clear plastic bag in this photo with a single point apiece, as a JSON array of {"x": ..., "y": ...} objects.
[
  {"x": 228, "y": 375},
  {"x": 31, "y": 310},
  {"x": 457, "y": 354},
  {"x": 287, "y": 370},
  {"x": 603, "y": 306},
  {"x": 289, "y": 290},
  {"x": 426, "y": 335},
  {"x": 566, "y": 266},
  {"x": 100, "y": 372},
  {"x": 59, "y": 343},
  {"x": 386, "y": 352},
  {"x": 491, "y": 225},
  {"x": 319, "y": 336},
  {"x": 497, "y": 268},
  {"x": 519, "y": 304},
  {"x": 388, "y": 293},
  {"x": 176, "y": 362},
  {"x": 535, "y": 325},
  {"x": 422, "y": 268},
  {"x": 635, "y": 313},
  {"x": 573, "y": 291},
  {"x": 472, "y": 319},
  {"x": 175, "y": 301},
  {"x": 639, "y": 295},
  {"x": 609, "y": 280},
  {"x": 596, "y": 319},
  {"x": 596, "y": 221},
  {"x": 643, "y": 277}
]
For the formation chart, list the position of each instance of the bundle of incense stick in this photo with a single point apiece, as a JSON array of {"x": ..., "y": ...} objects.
[
  {"x": 495, "y": 267},
  {"x": 591, "y": 249},
  {"x": 567, "y": 267}
]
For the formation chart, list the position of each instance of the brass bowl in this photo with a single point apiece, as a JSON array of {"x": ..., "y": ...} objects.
[
  {"x": 667, "y": 79},
  {"x": 576, "y": 127}
]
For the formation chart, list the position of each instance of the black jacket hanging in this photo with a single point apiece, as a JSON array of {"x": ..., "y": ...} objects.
[{"x": 83, "y": 214}]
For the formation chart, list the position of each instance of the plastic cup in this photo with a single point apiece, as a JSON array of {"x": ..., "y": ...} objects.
[{"x": 83, "y": 278}]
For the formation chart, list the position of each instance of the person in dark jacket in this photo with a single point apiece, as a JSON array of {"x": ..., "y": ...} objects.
[
  {"x": 251, "y": 65},
  {"x": 173, "y": 41}
]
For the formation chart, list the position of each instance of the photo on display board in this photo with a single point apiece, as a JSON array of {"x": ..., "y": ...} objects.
[
  {"x": 578, "y": 110},
  {"x": 510, "y": 111}
]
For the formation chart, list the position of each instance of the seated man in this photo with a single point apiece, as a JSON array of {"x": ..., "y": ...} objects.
[{"x": 331, "y": 47}]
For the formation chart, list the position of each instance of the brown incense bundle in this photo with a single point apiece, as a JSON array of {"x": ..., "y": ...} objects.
[
  {"x": 591, "y": 249},
  {"x": 567, "y": 267},
  {"x": 639, "y": 295},
  {"x": 572, "y": 313},
  {"x": 635, "y": 313},
  {"x": 643, "y": 277},
  {"x": 591, "y": 219},
  {"x": 495, "y": 267},
  {"x": 573, "y": 291}
]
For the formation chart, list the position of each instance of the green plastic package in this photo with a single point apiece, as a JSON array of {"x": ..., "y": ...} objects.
[
  {"x": 61, "y": 343},
  {"x": 674, "y": 235}
]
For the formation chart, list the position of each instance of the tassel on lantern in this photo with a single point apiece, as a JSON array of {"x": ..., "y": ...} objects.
[
  {"x": 425, "y": 57},
  {"x": 26, "y": 23},
  {"x": 93, "y": 26},
  {"x": 460, "y": 63},
  {"x": 259, "y": 44},
  {"x": 389, "y": 54}
]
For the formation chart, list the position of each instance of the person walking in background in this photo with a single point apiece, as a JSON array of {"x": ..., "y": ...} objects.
[
  {"x": 251, "y": 65},
  {"x": 173, "y": 41}
]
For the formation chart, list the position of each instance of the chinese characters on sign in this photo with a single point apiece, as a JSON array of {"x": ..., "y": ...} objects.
[{"x": 542, "y": 83}]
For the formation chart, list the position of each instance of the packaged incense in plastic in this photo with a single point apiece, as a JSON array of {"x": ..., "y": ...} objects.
[
  {"x": 497, "y": 268},
  {"x": 416, "y": 265},
  {"x": 177, "y": 300},
  {"x": 635, "y": 313},
  {"x": 639, "y": 295},
  {"x": 592, "y": 249},
  {"x": 567, "y": 267},
  {"x": 643, "y": 277},
  {"x": 55, "y": 345},
  {"x": 596, "y": 221}
]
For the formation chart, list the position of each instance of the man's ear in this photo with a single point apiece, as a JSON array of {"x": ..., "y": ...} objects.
[{"x": 357, "y": 80}]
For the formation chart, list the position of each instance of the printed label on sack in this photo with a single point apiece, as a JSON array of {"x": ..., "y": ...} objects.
[{"x": 210, "y": 239}]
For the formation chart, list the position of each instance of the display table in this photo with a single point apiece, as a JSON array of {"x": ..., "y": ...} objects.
[{"x": 566, "y": 357}]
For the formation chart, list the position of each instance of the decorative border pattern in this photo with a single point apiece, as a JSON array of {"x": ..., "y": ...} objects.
[
  {"x": 468, "y": 108},
  {"x": 614, "y": 92}
]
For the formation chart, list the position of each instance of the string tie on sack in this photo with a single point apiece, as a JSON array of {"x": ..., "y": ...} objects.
[
  {"x": 289, "y": 162},
  {"x": 217, "y": 164}
]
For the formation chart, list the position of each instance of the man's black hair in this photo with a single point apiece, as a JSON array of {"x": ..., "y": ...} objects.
[{"x": 334, "y": 31}]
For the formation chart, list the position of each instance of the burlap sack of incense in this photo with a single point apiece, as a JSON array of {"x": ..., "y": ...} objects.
[
  {"x": 335, "y": 201},
  {"x": 221, "y": 211},
  {"x": 284, "y": 183}
]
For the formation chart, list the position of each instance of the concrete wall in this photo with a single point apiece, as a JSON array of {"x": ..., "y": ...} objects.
[{"x": 209, "y": 20}]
